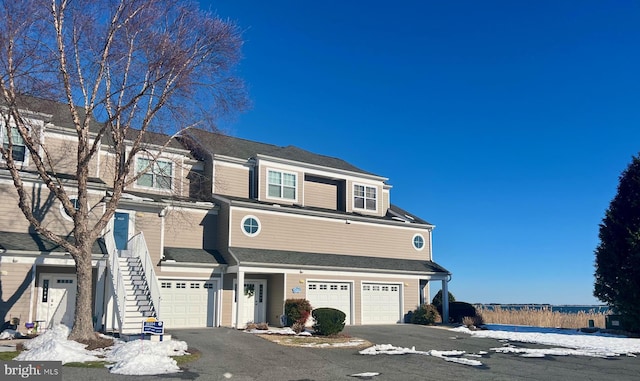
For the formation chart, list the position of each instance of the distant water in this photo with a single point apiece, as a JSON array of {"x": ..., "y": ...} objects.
[{"x": 567, "y": 309}]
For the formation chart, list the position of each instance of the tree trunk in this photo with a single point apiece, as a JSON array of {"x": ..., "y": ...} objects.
[{"x": 83, "y": 321}]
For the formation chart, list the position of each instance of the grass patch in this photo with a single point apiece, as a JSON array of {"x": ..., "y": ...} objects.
[
  {"x": 317, "y": 341},
  {"x": 192, "y": 355},
  {"x": 88, "y": 364},
  {"x": 8, "y": 356}
]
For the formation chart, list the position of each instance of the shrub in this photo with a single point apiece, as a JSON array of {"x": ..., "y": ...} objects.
[
  {"x": 426, "y": 314},
  {"x": 473, "y": 321},
  {"x": 460, "y": 310},
  {"x": 328, "y": 321},
  {"x": 437, "y": 300},
  {"x": 297, "y": 311}
]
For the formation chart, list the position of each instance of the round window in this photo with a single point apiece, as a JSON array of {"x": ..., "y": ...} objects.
[
  {"x": 418, "y": 242},
  {"x": 76, "y": 205},
  {"x": 251, "y": 226}
]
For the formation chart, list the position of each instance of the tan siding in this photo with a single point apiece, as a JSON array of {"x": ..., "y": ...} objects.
[
  {"x": 12, "y": 219},
  {"x": 184, "y": 228},
  {"x": 227, "y": 301},
  {"x": 63, "y": 154},
  {"x": 386, "y": 201},
  {"x": 107, "y": 166},
  {"x": 280, "y": 231},
  {"x": 231, "y": 181},
  {"x": 222, "y": 233},
  {"x": 15, "y": 280},
  {"x": 320, "y": 195},
  {"x": 411, "y": 292},
  {"x": 275, "y": 298},
  {"x": 149, "y": 225}
]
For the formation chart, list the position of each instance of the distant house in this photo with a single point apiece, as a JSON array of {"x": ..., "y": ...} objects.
[{"x": 219, "y": 232}]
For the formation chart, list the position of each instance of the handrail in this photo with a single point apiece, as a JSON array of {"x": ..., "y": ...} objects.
[
  {"x": 120, "y": 293},
  {"x": 139, "y": 248}
]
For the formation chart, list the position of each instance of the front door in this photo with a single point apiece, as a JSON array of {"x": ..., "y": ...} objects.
[
  {"x": 253, "y": 302},
  {"x": 56, "y": 300},
  {"x": 121, "y": 230}
]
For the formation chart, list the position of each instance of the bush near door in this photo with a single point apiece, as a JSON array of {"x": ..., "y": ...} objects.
[
  {"x": 328, "y": 321},
  {"x": 297, "y": 312}
]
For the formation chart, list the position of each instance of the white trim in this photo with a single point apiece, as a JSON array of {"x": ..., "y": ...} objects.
[
  {"x": 244, "y": 219},
  {"x": 294, "y": 270},
  {"x": 364, "y": 208},
  {"x": 64, "y": 212},
  {"x": 413, "y": 242},
  {"x": 235, "y": 290},
  {"x": 153, "y": 162},
  {"x": 282, "y": 186}
]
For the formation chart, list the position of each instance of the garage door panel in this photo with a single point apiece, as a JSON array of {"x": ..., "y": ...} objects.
[
  {"x": 187, "y": 303},
  {"x": 381, "y": 303},
  {"x": 330, "y": 294}
]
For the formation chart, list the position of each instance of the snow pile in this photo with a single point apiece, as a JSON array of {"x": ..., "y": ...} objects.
[
  {"x": 451, "y": 356},
  {"x": 141, "y": 357},
  {"x": 54, "y": 346},
  {"x": 572, "y": 342}
]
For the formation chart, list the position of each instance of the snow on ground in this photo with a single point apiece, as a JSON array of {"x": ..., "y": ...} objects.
[
  {"x": 137, "y": 357},
  {"x": 564, "y": 343},
  {"x": 451, "y": 356},
  {"x": 571, "y": 342}
]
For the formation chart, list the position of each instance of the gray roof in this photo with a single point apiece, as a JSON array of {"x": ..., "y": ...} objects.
[
  {"x": 61, "y": 117},
  {"x": 338, "y": 261},
  {"x": 34, "y": 242},
  {"x": 204, "y": 142},
  {"x": 180, "y": 254},
  {"x": 393, "y": 213}
]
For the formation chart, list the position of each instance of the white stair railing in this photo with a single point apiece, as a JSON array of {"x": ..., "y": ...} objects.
[
  {"x": 138, "y": 247},
  {"x": 120, "y": 293}
]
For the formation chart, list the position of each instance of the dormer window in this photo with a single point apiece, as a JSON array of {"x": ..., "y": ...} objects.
[
  {"x": 156, "y": 175},
  {"x": 364, "y": 197},
  {"x": 19, "y": 152},
  {"x": 282, "y": 184}
]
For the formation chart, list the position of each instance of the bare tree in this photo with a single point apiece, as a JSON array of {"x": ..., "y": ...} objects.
[{"x": 137, "y": 66}]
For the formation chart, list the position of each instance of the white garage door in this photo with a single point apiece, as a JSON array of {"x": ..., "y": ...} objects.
[
  {"x": 381, "y": 303},
  {"x": 187, "y": 303},
  {"x": 331, "y": 294}
]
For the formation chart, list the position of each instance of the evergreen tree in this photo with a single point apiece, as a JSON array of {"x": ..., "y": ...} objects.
[
  {"x": 437, "y": 300},
  {"x": 617, "y": 275}
]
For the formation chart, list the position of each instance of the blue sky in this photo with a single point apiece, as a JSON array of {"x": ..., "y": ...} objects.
[{"x": 505, "y": 123}]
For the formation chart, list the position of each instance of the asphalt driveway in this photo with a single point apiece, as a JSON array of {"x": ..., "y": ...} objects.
[{"x": 229, "y": 354}]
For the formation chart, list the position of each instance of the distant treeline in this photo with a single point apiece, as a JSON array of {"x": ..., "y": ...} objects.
[{"x": 567, "y": 309}]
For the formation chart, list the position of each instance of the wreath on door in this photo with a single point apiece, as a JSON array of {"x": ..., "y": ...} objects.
[{"x": 249, "y": 290}]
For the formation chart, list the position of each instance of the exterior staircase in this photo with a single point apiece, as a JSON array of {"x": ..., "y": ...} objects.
[{"x": 138, "y": 305}]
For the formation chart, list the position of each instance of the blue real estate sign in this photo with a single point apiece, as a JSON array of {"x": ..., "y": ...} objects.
[{"x": 153, "y": 326}]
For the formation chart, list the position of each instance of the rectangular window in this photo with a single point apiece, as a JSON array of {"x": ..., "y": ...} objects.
[
  {"x": 19, "y": 149},
  {"x": 156, "y": 175},
  {"x": 282, "y": 185},
  {"x": 364, "y": 197}
]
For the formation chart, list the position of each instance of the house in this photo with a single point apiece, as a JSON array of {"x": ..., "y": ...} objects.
[{"x": 219, "y": 231}]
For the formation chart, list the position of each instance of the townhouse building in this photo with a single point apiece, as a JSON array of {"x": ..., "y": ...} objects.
[{"x": 219, "y": 231}]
